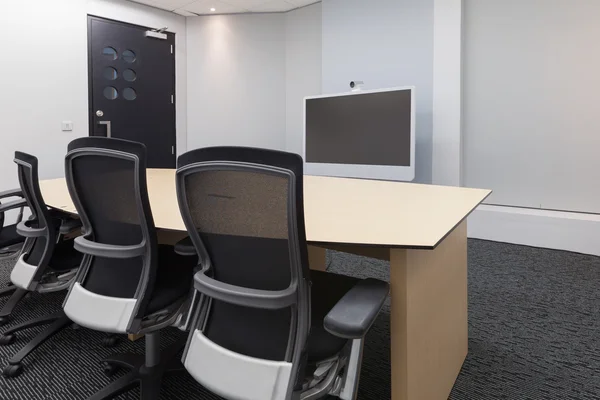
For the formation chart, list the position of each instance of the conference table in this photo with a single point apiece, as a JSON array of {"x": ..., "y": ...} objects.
[{"x": 420, "y": 229}]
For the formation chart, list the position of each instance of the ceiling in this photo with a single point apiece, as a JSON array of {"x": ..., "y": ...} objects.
[{"x": 191, "y": 8}]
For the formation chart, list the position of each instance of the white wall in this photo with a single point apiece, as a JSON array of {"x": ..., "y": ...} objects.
[
  {"x": 236, "y": 80},
  {"x": 303, "y": 68},
  {"x": 531, "y": 102},
  {"x": 447, "y": 93},
  {"x": 531, "y": 120},
  {"x": 552, "y": 229},
  {"x": 384, "y": 43},
  {"x": 540, "y": 228},
  {"x": 43, "y": 75},
  {"x": 44, "y": 81}
]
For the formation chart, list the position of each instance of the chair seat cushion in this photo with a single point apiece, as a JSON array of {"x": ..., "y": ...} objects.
[
  {"x": 326, "y": 290},
  {"x": 173, "y": 280},
  {"x": 9, "y": 236}
]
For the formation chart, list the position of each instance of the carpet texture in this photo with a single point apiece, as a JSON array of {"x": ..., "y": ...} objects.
[{"x": 534, "y": 324}]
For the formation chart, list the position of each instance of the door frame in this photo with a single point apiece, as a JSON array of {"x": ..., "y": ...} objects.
[{"x": 91, "y": 18}]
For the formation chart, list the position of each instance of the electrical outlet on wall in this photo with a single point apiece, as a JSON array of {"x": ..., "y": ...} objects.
[{"x": 67, "y": 126}]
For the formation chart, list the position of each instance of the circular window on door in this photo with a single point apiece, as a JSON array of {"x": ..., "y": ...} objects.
[
  {"x": 110, "y": 93},
  {"x": 109, "y": 53},
  {"x": 129, "y": 75},
  {"x": 129, "y": 56},
  {"x": 129, "y": 94},
  {"x": 110, "y": 73}
]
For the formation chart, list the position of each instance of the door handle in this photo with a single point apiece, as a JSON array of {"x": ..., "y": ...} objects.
[{"x": 107, "y": 123}]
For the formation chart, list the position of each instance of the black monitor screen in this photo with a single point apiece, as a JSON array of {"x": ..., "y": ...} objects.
[{"x": 367, "y": 129}]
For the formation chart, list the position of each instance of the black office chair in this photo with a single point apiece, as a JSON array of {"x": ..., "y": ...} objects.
[
  {"x": 267, "y": 328},
  {"x": 127, "y": 283},
  {"x": 10, "y": 241},
  {"x": 47, "y": 263}
]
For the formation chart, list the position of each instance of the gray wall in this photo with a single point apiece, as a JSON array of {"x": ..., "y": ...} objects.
[
  {"x": 531, "y": 108},
  {"x": 236, "y": 80},
  {"x": 303, "y": 68},
  {"x": 384, "y": 43}
]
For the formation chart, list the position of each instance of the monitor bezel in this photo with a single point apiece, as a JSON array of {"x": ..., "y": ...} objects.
[{"x": 380, "y": 172}]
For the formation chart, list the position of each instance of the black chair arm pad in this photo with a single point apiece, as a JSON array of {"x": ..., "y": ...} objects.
[
  {"x": 353, "y": 315},
  {"x": 185, "y": 247},
  {"x": 69, "y": 225},
  {"x": 11, "y": 205},
  {"x": 25, "y": 230},
  {"x": 11, "y": 193},
  {"x": 255, "y": 298},
  {"x": 108, "y": 250}
]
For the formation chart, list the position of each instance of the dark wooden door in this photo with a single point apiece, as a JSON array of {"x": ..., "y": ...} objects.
[{"x": 132, "y": 87}]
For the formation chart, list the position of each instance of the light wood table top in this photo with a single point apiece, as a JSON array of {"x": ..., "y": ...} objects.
[{"x": 337, "y": 210}]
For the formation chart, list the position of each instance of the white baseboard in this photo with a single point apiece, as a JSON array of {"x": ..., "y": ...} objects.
[{"x": 540, "y": 228}]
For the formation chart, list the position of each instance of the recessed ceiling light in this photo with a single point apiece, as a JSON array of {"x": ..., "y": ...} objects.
[{"x": 213, "y": 9}]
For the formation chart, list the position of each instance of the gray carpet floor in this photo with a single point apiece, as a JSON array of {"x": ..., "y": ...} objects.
[{"x": 534, "y": 325}]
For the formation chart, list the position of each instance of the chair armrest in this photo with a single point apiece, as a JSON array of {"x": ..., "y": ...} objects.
[
  {"x": 12, "y": 205},
  {"x": 353, "y": 315},
  {"x": 241, "y": 296},
  {"x": 11, "y": 193},
  {"x": 25, "y": 230},
  {"x": 108, "y": 250},
  {"x": 185, "y": 247},
  {"x": 69, "y": 225}
]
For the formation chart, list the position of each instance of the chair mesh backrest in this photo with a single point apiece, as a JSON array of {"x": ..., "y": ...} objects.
[
  {"x": 39, "y": 250},
  {"x": 242, "y": 216},
  {"x": 1, "y": 217},
  {"x": 107, "y": 180},
  {"x": 1, "y": 220}
]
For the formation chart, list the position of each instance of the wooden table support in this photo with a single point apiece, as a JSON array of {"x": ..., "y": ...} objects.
[
  {"x": 317, "y": 258},
  {"x": 429, "y": 318}
]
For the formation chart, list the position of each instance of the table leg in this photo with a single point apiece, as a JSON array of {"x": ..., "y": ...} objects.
[
  {"x": 133, "y": 337},
  {"x": 317, "y": 258},
  {"x": 429, "y": 332}
]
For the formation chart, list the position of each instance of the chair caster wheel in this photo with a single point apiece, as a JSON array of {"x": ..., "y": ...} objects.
[
  {"x": 7, "y": 340},
  {"x": 12, "y": 371},
  {"x": 4, "y": 320},
  {"x": 110, "y": 369},
  {"x": 110, "y": 341}
]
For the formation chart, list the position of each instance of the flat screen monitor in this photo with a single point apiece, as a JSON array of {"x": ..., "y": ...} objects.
[{"x": 365, "y": 134}]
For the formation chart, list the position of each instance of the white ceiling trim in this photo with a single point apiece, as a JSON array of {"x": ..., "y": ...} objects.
[{"x": 189, "y": 8}]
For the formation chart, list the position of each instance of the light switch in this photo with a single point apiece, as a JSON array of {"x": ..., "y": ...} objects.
[{"x": 67, "y": 126}]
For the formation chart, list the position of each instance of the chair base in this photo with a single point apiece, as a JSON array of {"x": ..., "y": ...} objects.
[
  {"x": 17, "y": 294},
  {"x": 57, "y": 322},
  {"x": 9, "y": 289},
  {"x": 145, "y": 371}
]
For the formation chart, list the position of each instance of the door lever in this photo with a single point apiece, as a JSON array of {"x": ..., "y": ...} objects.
[{"x": 107, "y": 123}]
